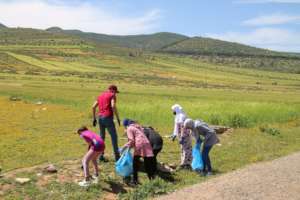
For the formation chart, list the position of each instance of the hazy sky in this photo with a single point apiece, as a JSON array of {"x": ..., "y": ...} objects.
[{"x": 273, "y": 24}]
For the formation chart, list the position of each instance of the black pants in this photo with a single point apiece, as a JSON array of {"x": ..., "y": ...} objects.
[
  {"x": 150, "y": 167},
  {"x": 155, "y": 152}
]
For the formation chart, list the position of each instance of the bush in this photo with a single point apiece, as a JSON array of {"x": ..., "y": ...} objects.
[
  {"x": 148, "y": 190},
  {"x": 270, "y": 131}
]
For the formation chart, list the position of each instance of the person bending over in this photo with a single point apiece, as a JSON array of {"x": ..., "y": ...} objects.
[
  {"x": 200, "y": 128},
  {"x": 96, "y": 146},
  {"x": 142, "y": 149}
]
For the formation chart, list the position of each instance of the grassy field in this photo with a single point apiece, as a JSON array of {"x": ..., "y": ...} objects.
[{"x": 67, "y": 81}]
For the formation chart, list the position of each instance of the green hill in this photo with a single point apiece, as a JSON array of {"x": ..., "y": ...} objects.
[
  {"x": 208, "y": 46},
  {"x": 234, "y": 54},
  {"x": 61, "y": 45},
  {"x": 28, "y": 36},
  {"x": 146, "y": 42},
  {"x": 2, "y": 26}
]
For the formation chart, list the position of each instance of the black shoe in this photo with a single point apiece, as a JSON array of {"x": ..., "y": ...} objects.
[
  {"x": 103, "y": 159},
  {"x": 127, "y": 180},
  {"x": 135, "y": 183},
  {"x": 117, "y": 157},
  {"x": 186, "y": 167}
]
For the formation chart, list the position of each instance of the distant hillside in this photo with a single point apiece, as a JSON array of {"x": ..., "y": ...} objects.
[
  {"x": 208, "y": 46},
  {"x": 2, "y": 26},
  {"x": 147, "y": 42},
  {"x": 55, "y": 29},
  {"x": 75, "y": 44},
  {"x": 28, "y": 36},
  {"x": 235, "y": 55}
]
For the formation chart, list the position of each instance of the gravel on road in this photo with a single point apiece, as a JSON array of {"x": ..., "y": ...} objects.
[{"x": 273, "y": 180}]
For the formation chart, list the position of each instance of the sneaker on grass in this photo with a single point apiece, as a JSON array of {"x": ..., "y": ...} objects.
[
  {"x": 95, "y": 179},
  {"x": 209, "y": 174},
  {"x": 84, "y": 183}
]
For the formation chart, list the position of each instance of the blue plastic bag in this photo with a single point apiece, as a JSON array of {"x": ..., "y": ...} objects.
[
  {"x": 124, "y": 166},
  {"x": 197, "y": 163}
]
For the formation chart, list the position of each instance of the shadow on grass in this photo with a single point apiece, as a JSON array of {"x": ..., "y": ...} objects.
[
  {"x": 114, "y": 187},
  {"x": 168, "y": 177},
  {"x": 217, "y": 172}
]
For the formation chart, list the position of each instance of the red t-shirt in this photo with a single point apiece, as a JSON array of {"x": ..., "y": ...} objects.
[{"x": 104, "y": 103}]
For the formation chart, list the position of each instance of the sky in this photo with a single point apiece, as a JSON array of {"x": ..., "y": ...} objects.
[{"x": 271, "y": 24}]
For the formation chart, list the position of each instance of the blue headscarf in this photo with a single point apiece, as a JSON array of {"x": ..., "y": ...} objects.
[{"x": 127, "y": 122}]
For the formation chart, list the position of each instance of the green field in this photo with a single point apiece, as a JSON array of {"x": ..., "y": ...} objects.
[{"x": 67, "y": 78}]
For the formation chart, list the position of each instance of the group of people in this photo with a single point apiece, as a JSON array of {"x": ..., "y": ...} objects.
[
  {"x": 145, "y": 141},
  {"x": 185, "y": 129}
]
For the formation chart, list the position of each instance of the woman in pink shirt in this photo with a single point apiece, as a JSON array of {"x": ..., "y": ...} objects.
[
  {"x": 142, "y": 148},
  {"x": 96, "y": 147}
]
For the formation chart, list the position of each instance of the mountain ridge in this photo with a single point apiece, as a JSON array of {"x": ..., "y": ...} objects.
[
  {"x": 152, "y": 42},
  {"x": 167, "y": 41}
]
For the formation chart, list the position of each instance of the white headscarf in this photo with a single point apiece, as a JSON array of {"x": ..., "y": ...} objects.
[
  {"x": 179, "y": 113},
  {"x": 179, "y": 117}
]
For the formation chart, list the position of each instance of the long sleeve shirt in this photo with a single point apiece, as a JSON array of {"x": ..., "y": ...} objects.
[
  {"x": 210, "y": 136},
  {"x": 178, "y": 123},
  {"x": 138, "y": 140}
]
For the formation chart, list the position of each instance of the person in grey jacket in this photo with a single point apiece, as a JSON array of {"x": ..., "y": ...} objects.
[{"x": 200, "y": 128}]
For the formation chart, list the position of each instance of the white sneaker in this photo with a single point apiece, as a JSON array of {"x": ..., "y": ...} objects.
[
  {"x": 84, "y": 183},
  {"x": 209, "y": 174},
  {"x": 95, "y": 179}
]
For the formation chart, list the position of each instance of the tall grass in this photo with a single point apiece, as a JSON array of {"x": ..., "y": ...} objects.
[
  {"x": 233, "y": 114},
  {"x": 152, "y": 104}
]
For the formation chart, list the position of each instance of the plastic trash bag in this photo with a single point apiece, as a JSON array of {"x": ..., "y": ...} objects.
[
  {"x": 124, "y": 166},
  {"x": 197, "y": 163}
]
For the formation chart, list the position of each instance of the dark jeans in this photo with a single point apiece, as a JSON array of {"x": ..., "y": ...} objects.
[
  {"x": 108, "y": 123},
  {"x": 206, "y": 159},
  {"x": 150, "y": 167}
]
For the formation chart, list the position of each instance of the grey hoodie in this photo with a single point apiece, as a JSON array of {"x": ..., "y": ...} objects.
[{"x": 209, "y": 134}]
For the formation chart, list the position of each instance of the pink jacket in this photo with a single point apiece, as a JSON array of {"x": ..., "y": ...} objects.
[{"x": 138, "y": 141}]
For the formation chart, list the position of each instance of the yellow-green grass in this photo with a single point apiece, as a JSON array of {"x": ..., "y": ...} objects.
[
  {"x": 68, "y": 105},
  {"x": 18, "y": 47},
  {"x": 154, "y": 69},
  {"x": 34, "y": 61},
  {"x": 55, "y": 65},
  {"x": 242, "y": 98},
  {"x": 224, "y": 74},
  {"x": 45, "y": 134}
]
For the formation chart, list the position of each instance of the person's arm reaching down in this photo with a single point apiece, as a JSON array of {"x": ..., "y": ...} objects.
[
  {"x": 115, "y": 110},
  {"x": 130, "y": 136},
  {"x": 94, "y": 113},
  {"x": 175, "y": 131}
]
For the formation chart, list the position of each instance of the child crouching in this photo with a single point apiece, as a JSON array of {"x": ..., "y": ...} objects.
[{"x": 95, "y": 148}]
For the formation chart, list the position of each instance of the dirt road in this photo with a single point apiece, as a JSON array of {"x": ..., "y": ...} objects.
[{"x": 273, "y": 180}]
